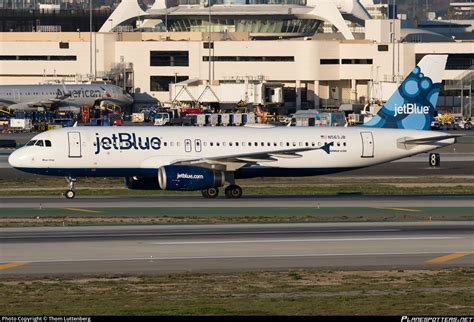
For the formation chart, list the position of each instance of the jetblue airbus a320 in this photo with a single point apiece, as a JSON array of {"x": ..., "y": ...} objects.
[{"x": 194, "y": 158}]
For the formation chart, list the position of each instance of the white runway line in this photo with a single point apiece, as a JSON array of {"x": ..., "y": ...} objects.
[
  {"x": 151, "y": 259},
  {"x": 302, "y": 240}
]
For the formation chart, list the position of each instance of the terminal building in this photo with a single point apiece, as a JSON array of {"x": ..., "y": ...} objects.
[{"x": 357, "y": 60}]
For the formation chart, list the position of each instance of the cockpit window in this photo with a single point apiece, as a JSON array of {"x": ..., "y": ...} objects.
[
  {"x": 47, "y": 142},
  {"x": 39, "y": 143},
  {"x": 32, "y": 142}
]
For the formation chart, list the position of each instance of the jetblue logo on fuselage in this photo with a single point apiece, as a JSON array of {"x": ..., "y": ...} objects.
[
  {"x": 411, "y": 108},
  {"x": 126, "y": 141}
]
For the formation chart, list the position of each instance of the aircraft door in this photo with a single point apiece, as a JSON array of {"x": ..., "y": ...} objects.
[
  {"x": 187, "y": 145},
  {"x": 74, "y": 139},
  {"x": 367, "y": 144},
  {"x": 197, "y": 145}
]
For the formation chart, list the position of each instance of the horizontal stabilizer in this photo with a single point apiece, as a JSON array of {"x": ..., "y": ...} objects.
[{"x": 431, "y": 139}]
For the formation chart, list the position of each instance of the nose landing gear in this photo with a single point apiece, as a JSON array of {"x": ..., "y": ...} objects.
[{"x": 70, "y": 194}]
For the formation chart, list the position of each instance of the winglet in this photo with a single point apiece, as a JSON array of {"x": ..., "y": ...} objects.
[{"x": 75, "y": 124}]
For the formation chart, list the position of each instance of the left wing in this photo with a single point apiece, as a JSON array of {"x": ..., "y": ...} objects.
[{"x": 236, "y": 161}]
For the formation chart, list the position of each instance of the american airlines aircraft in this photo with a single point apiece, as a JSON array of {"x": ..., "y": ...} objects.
[
  {"x": 61, "y": 97},
  {"x": 194, "y": 158}
]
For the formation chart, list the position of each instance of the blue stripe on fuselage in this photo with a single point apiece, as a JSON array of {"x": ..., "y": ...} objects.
[{"x": 242, "y": 173}]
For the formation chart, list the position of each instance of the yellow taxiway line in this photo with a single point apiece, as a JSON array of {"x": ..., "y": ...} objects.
[
  {"x": 84, "y": 210},
  {"x": 12, "y": 264},
  {"x": 398, "y": 209},
  {"x": 446, "y": 258}
]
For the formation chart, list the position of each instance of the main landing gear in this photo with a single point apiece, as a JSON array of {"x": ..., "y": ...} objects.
[
  {"x": 70, "y": 194},
  {"x": 231, "y": 192}
]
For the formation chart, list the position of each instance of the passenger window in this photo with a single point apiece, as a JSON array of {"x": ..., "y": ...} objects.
[
  {"x": 287, "y": 143},
  {"x": 338, "y": 143},
  {"x": 256, "y": 143},
  {"x": 313, "y": 144},
  {"x": 223, "y": 144},
  {"x": 344, "y": 143},
  {"x": 236, "y": 143},
  {"x": 217, "y": 143},
  {"x": 262, "y": 143},
  {"x": 230, "y": 143},
  {"x": 165, "y": 144},
  {"x": 48, "y": 143},
  {"x": 294, "y": 143},
  {"x": 307, "y": 144},
  {"x": 268, "y": 143},
  {"x": 171, "y": 143},
  {"x": 212, "y": 144},
  {"x": 275, "y": 144}
]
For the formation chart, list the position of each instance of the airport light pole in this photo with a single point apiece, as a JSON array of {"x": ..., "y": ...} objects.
[
  {"x": 90, "y": 38},
  {"x": 209, "y": 41}
]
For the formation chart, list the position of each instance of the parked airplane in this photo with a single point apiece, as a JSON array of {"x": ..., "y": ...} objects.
[
  {"x": 205, "y": 159},
  {"x": 61, "y": 96}
]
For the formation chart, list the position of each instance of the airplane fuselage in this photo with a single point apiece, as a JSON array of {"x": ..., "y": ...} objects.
[
  {"x": 141, "y": 151},
  {"x": 72, "y": 96}
]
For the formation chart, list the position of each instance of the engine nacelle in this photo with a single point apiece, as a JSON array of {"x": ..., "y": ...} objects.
[
  {"x": 142, "y": 183},
  {"x": 176, "y": 177}
]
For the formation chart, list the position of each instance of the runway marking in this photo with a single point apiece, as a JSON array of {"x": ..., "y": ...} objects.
[
  {"x": 398, "y": 209},
  {"x": 151, "y": 258},
  {"x": 301, "y": 240},
  {"x": 447, "y": 258},
  {"x": 210, "y": 233},
  {"x": 12, "y": 264},
  {"x": 83, "y": 210}
]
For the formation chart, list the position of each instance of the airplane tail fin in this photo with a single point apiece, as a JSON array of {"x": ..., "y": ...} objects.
[{"x": 413, "y": 104}]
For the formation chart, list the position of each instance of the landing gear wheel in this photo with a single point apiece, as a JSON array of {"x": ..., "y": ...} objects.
[
  {"x": 233, "y": 192},
  {"x": 210, "y": 193},
  {"x": 70, "y": 194}
]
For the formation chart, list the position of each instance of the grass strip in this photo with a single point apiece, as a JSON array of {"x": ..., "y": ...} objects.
[{"x": 445, "y": 292}]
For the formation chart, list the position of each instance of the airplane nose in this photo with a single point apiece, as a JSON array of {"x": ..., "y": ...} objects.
[{"x": 13, "y": 159}]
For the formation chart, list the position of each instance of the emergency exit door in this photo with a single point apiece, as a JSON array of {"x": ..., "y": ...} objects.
[
  {"x": 74, "y": 139},
  {"x": 367, "y": 144}
]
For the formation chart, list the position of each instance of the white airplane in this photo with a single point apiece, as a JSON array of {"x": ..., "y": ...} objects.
[
  {"x": 61, "y": 97},
  {"x": 204, "y": 158}
]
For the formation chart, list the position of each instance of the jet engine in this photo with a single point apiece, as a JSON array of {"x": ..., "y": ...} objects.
[{"x": 189, "y": 178}]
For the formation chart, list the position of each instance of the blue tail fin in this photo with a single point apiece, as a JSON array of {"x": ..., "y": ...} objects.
[{"x": 413, "y": 104}]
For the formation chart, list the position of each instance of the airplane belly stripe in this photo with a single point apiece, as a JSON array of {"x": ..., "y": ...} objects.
[{"x": 245, "y": 172}]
